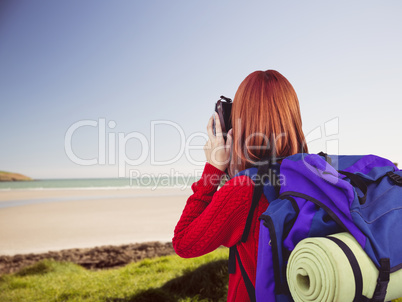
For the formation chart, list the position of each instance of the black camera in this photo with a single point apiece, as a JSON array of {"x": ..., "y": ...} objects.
[{"x": 224, "y": 109}]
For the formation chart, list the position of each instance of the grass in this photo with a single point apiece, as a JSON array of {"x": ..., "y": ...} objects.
[{"x": 168, "y": 278}]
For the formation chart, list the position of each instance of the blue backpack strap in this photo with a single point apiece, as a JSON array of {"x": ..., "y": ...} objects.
[
  {"x": 257, "y": 193},
  {"x": 357, "y": 182},
  {"x": 355, "y": 179},
  {"x": 265, "y": 169}
]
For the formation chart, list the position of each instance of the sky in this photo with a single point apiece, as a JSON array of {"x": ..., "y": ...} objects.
[{"x": 119, "y": 88}]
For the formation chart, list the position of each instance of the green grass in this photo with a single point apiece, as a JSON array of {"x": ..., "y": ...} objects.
[{"x": 168, "y": 278}]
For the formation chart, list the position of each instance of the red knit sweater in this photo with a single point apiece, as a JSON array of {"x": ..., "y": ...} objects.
[{"x": 213, "y": 218}]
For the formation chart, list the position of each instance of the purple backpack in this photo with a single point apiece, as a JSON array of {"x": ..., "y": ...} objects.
[{"x": 314, "y": 195}]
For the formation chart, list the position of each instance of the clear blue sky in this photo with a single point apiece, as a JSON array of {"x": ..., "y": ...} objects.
[{"x": 134, "y": 62}]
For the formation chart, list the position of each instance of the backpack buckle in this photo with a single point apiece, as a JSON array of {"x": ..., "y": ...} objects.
[{"x": 395, "y": 178}]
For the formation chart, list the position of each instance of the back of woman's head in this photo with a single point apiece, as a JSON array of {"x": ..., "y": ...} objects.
[{"x": 265, "y": 108}]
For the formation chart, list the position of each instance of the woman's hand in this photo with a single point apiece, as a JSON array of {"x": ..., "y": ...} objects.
[{"x": 216, "y": 150}]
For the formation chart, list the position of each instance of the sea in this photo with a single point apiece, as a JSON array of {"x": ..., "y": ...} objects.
[
  {"x": 100, "y": 183},
  {"x": 177, "y": 183}
]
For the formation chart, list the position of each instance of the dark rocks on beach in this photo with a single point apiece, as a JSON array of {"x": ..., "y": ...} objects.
[{"x": 91, "y": 258}]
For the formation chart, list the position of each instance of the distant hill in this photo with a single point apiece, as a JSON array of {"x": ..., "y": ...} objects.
[{"x": 9, "y": 176}]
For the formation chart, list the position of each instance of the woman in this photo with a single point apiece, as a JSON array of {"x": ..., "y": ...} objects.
[{"x": 265, "y": 106}]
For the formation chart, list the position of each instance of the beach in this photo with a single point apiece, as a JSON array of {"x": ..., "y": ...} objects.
[{"x": 38, "y": 221}]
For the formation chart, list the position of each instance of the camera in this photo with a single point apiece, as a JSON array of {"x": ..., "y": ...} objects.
[{"x": 224, "y": 109}]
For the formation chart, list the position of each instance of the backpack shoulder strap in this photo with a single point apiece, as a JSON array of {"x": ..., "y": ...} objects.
[
  {"x": 249, "y": 285},
  {"x": 264, "y": 170}
]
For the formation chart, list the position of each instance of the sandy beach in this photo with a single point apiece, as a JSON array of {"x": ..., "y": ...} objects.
[{"x": 36, "y": 221}]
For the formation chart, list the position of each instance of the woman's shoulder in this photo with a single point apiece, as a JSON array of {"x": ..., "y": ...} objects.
[
  {"x": 240, "y": 188},
  {"x": 244, "y": 178},
  {"x": 240, "y": 180}
]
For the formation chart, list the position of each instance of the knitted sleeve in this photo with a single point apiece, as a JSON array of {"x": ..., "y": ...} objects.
[{"x": 213, "y": 218}]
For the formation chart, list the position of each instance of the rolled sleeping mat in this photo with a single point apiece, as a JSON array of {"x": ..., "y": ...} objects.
[{"x": 319, "y": 270}]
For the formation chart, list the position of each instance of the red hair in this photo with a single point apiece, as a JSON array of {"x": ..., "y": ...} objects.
[{"x": 265, "y": 107}]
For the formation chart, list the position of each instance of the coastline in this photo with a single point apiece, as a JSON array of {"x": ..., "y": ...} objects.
[{"x": 38, "y": 221}]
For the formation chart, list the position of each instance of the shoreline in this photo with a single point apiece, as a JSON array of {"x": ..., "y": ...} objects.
[
  {"x": 55, "y": 220},
  {"x": 133, "y": 189},
  {"x": 19, "y": 197}
]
